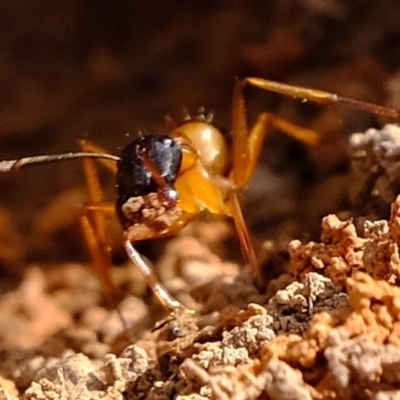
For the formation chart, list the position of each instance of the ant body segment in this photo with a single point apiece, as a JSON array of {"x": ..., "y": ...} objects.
[{"x": 164, "y": 182}]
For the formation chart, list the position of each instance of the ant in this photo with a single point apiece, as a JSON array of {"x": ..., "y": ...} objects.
[{"x": 164, "y": 182}]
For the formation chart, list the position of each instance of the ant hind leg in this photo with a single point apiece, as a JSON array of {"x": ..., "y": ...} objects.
[{"x": 247, "y": 145}]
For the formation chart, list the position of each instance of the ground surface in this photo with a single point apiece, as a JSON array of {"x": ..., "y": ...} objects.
[{"x": 72, "y": 70}]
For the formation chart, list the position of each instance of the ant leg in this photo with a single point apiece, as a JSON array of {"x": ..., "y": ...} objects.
[
  {"x": 316, "y": 96},
  {"x": 96, "y": 194},
  {"x": 170, "y": 304},
  {"x": 246, "y": 151},
  {"x": 94, "y": 219},
  {"x": 247, "y": 144},
  {"x": 218, "y": 196},
  {"x": 246, "y": 243},
  {"x": 102, "y": 264},
  {"x": 100, "y": 257}
]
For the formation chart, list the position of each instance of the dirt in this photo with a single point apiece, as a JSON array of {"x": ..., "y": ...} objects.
[
  {"x": 325, "y": 220},
  {"x": 331, "y": 330}
]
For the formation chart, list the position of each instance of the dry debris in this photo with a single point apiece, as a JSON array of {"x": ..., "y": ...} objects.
[
  {"x": 342, "y": 251},
  {"x": 332, "y": 331},
  {"x": 375, "y": 167}
]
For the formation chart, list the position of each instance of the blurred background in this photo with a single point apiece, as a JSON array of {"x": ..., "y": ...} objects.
[{"x": 104, "y": 70}]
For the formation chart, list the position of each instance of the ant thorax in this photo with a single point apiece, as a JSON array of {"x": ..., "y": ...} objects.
[{"x": 209, "y": 142}]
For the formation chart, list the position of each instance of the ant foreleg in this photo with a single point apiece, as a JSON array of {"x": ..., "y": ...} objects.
[
  {"x": 162, "y": 294},
  {"x": 99, "y": 252}
]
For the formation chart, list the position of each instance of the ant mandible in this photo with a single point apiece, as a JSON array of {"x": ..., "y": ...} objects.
[{"x": 164, "y": 182}]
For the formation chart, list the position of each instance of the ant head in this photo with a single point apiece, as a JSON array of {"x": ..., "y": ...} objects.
[
  {"x": 149, "y": 165},
  {"x": 146, "y": 164}
]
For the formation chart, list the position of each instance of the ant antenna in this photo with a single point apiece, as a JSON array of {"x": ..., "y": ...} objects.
[{"x": 10, "y": 165}]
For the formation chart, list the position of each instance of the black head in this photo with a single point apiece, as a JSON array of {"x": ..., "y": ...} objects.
[
  {"x": 148, "y": 165},
  {"x": 134, "y": 178}
]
